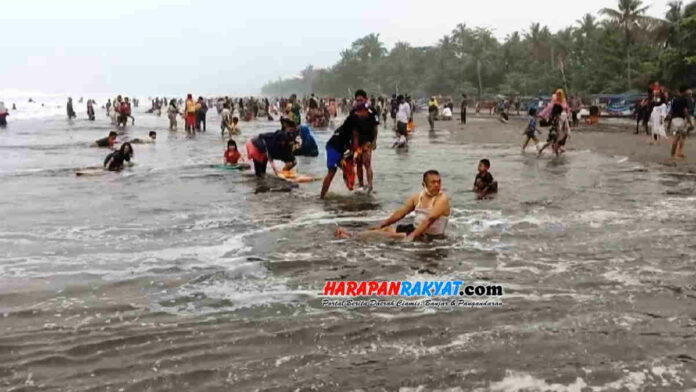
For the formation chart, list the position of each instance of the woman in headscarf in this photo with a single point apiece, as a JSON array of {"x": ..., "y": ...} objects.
[{"x": 558, "y": 98}]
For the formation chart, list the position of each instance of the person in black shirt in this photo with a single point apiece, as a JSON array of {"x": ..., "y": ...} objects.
[
  {"x": 108, "y": 141},
  {"x": 679, "y": 123},
  {"x": 464, "y": 105},
  {"x": 115, "y": 160},
  {"x": 363, "y": 122},
  {"x": 484, "y": 184},
  {"x": 270, "y": 146}
]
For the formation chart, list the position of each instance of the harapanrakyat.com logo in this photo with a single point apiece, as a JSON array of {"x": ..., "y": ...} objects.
[{"x": 408, "y": 293}]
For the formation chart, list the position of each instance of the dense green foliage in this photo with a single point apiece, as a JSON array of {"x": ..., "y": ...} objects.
[{"x": 622, "y": 50}]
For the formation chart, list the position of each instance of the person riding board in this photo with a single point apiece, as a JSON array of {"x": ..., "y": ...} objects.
[{"x": 432, "y": 209}]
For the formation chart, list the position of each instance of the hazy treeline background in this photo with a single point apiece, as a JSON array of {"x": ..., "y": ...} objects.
[{"x": 621, "y": 50}]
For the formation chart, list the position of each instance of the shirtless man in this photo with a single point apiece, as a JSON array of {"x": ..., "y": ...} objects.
[{"x": 432, "y": 209}]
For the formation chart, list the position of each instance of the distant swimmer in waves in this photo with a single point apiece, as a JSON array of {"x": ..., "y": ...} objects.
[
  {"x": 484, "y": 184},
  {"x": 116, "y": 160},
  {"x": 107, "y": 142},
  {"x": 151, "y": 138},
  {"x": 432, "y": 210}
]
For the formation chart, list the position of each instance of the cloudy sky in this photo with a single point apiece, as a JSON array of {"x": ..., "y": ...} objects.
[{"x": 233, "y": 47}]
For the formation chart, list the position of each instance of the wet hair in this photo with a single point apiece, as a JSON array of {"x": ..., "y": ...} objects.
[
  {"x": 172, "y": 102},
  {"x": 361, "y": 93},
  {"x": 231, "y": 143},
  {"x": 189, "y": 96},
  {"x": 235, "y": 119},
  {"x": 123, "y": 149},
  {"x": 430, "y": 172},
  {"x": 152, "y": 133},
  {"x": 532, "y": 112},
  {"x": 486, "y": 163},
  {"x": 557, "y": 109},
  {"x": 113, "y": 133},
  {"x": 288, "y": 122}
]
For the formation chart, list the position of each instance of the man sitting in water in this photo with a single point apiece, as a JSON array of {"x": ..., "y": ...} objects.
[
  {"x": 108, "y": 141},
  {"x": 152, "y": 137},
  {"x": 484, "y": 185},
  {"x": 432, "y": 208}
]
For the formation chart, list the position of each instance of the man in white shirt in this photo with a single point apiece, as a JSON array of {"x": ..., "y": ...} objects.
[{"x": 402, "y": 116}]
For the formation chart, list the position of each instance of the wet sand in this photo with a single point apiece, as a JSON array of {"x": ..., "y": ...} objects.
[{"x": 614, "y": 137}]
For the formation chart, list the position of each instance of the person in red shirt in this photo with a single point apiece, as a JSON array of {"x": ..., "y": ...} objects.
[{"x": 232, "y": 156}]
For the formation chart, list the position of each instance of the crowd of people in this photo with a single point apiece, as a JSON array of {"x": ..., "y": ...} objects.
[{"x": 352, "y": 144}]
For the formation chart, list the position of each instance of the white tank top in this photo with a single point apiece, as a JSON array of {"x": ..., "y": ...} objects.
[{"x": 438, "y": 227}]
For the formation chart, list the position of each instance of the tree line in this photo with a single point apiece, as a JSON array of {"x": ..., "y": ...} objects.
[{"x": 620, "y": 50}]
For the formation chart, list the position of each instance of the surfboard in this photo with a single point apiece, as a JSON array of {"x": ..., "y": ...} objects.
[
  {"x": 90, "y": 172},
  {"x": 239, "y": 166},
  {"x": 297, "y": 178}
]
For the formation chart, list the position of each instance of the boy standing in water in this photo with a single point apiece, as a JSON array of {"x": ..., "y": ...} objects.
[
  {"x": 484, "y": 184},
  {"x": 531, "y": 130}
]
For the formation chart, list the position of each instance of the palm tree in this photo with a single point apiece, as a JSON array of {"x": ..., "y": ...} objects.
[
  {"x": 629, "y": 15},
  {"x": 369, "y": 47}
]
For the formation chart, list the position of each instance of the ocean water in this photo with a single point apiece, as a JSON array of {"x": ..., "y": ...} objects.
[{"x": 175, "y": 275}]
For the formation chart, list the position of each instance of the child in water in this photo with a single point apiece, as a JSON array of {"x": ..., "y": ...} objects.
[
  {"x": 116, "y": 160},
  {"x": 233, "y": 157},
  {"x": 484, "y": 185},
  {"x": 152, "y": 137},
  {"x": 531, "y": 130}
]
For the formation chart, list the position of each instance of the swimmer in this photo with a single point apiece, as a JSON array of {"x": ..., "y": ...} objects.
[
  {"x": 152, "y": 137},
  {"x": 108, "y": 141},
  {"x": 484, "y": 185},
  {"x": 115, "y": 160},
  {"x": 432, "y": 209}
]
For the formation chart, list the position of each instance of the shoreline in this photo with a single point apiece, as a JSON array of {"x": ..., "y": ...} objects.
[{"x": 613, "y": 137}]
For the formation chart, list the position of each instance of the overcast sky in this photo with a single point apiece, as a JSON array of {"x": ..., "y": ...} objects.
[{"x": 230, "y": 47}]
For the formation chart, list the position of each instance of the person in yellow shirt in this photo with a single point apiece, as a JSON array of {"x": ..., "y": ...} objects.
[
  {"x": 190, "y": 113},
  {"x": 433, "y": 109}
]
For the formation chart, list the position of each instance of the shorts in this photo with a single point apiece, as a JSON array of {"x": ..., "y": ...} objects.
[
  {"x": 406, "y": 229},
  {"x": 253, "y": 152},
  {"x": 530, "y": 134},
  {"x": 191, "y": 119},
  {"x": 401, "y": 128},
  {"x": 679, "y": 126},
  {"x": 333, "y": 158},
  {"x": 552, "y": 137}
]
